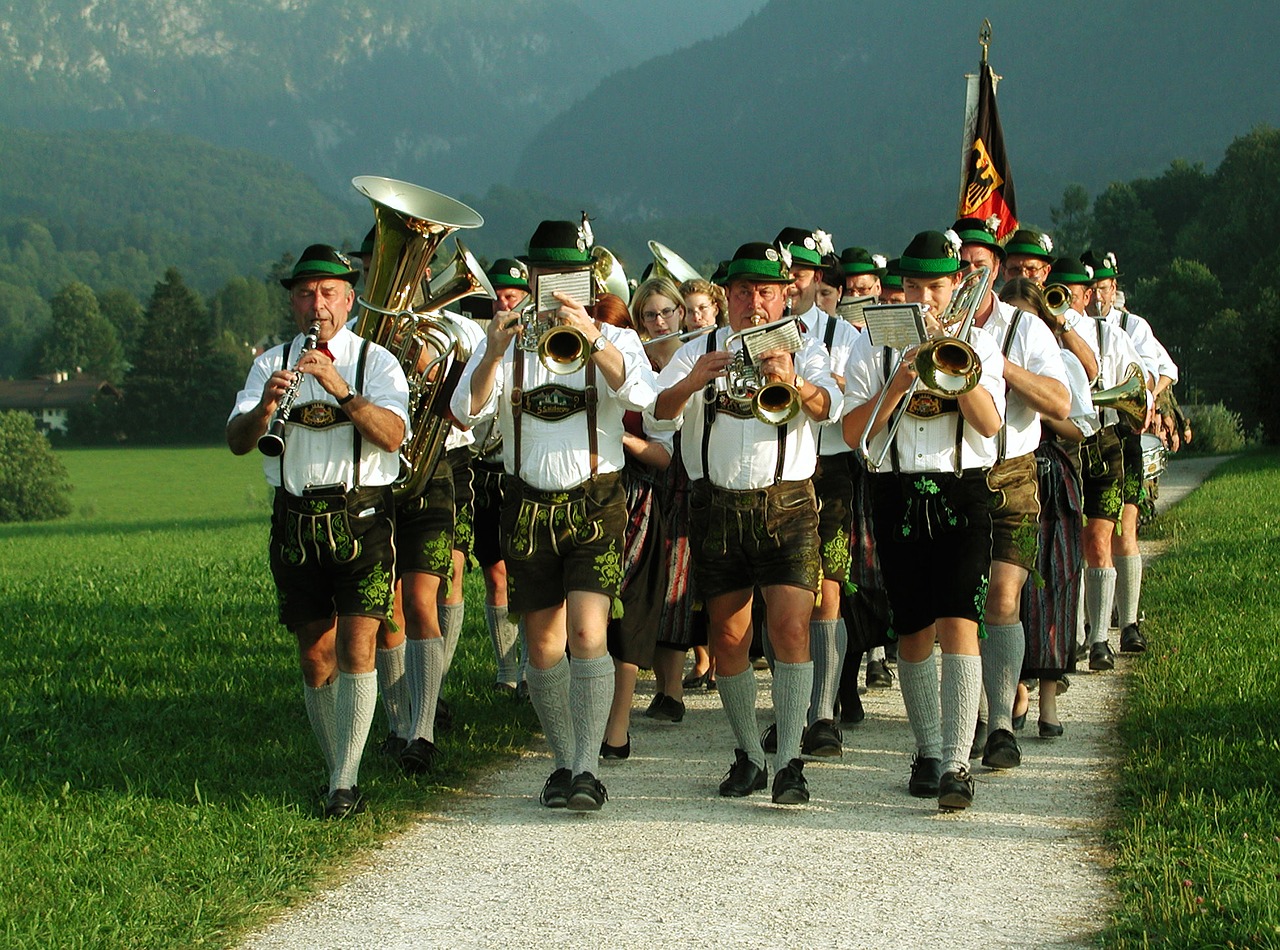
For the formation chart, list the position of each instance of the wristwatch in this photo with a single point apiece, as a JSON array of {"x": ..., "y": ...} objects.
[
  {"x": 351, "y": 394},
  {"x": 600, "y": 343}
]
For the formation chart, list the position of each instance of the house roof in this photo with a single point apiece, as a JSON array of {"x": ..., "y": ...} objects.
[{"x": 46, "y": 392}]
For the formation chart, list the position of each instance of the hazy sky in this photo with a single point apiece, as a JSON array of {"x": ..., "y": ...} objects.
[{"x": 667, "y": 25}]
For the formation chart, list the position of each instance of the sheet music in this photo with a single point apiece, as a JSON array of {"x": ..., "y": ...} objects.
[
  {"x": 576, "y": 283},
  {"x": 782, "y": 335},
  {"x": 850, "y": 308},
  {"x": 900, "y": 326}
]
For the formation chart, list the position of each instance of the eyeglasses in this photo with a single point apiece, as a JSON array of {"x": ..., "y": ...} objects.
[
  {"x": 1027, "y": 270},
  {"x": 666, "y": 313}
]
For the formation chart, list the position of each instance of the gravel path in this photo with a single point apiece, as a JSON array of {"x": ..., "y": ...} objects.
[{"x": 668, "y": 863}]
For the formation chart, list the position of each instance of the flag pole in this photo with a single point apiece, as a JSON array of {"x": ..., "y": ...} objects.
[{"x": 972, "y": 82}]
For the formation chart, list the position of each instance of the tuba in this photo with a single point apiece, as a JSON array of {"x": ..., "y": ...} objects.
[
  {"x": 607, "y": 274},
  {"x": 461, "y": 277},
  {"x": 410, "y": 224},
  {"x": 667, "y": 263}
]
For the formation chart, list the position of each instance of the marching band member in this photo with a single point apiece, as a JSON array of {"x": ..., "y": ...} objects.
[
  {"x": 331, "y": 544},
  {"x": 564, "y": 510},
  {"x": 932, "y": 521},
  {"x": 1102, "y": 459},
  {"x": 863, "y": 272},
  {"x": 891, "y": 284},
  {"x": 1161, "y": 368},
  {"x": 1036, "y": 384},
  {"x": 753, "y": 515},
  {"x": 1029, "y": 253}
]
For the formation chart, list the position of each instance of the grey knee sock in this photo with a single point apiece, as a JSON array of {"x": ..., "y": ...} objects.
[
  {"x": 424, "y": 660},
  {"x": 393, "y": 686},
  {"x": 524, "y": 654},
  {"x": 354, "y": 707},
  {"x": 738, "y": 696},
  {"x": 919, "y": 682},
  {"x": 877, "y": 653},
  {"x": 506, "y": 644},
  {"x": 961, "y": 686},
  {"x": 549, "y": 693},
  {"x": 828, "y": 641},
  {"x": 1002, "y": 654},
  {"x": 1099, "y": 591},
  {"x": 1128, "y": 588},
  {"x": 321, "y": 712},
  {"x": 792, "y": 689},
  {"x": 590, "y": 696},
  {"x": 451, "y": 616}
]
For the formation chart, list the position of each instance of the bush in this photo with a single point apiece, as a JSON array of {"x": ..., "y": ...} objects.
[
  {"x": 1215, "y": 430},
  {"x": 33, "y": 483}
]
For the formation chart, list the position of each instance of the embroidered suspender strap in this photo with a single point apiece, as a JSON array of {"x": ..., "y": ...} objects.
[
  {"x": 1003, "y": 436},
  {"x": 517, "y": 404},
  {"x": 356, "y": 447},
  {"x": 708, "y": 409},
  {"x": 593, "y": 437}
]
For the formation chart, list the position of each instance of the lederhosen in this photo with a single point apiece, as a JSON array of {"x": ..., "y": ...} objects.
[
  {"x": 1102, "y": 464},
  {"x": 753, "y": 537},
  {"x": 560, "y": 540},
  {"x": 1132, "y": 490},
  {"x": 331, "y": 547},
  {"x": 933, "y": 531},
  {"x": 488, "y": 480},
  {"x": 833, "y": 486}
]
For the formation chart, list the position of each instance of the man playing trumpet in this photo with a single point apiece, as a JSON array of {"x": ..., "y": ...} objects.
[{"x": 753, "y": 514}]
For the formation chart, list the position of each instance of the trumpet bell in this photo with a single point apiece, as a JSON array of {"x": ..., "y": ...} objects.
[
  {"x": 608, "y": 274},
  {"x": 461, "y": 277},
  {"x": 1128, "y": 397},
  {"x": 776, "y": 403},
  {"x": 1057, "y": 297},
  {"x": 947, "y": 367},
  {"x": 667, "y": 263},
  {"x": 563, "y": 350}
]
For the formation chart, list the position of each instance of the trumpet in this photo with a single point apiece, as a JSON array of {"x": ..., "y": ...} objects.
[
  {"x": 271, "y": 442},
  {"x": 946, "y": 366},
  {"x": 1057, "y": 297}
]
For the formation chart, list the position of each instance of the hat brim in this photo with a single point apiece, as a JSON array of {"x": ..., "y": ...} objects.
[{"x": 352, "y": 277}]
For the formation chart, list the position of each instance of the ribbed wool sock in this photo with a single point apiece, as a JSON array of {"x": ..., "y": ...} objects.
[
  {"x": 828, "y": 641},
  {"x": 424, "y": 660},
  {"x": 590, "y": 696},
  {"x": 738, "y": 696},
  {"x": 356, "y": 702},
  {"x": 877, "y": 653},
  {"x": 549, "y": 693},
  {"x": 961, "y": 686},
  {"x": 451, "y": 616},
  {"x": 505, "y": 637},
  {"x": 321, "y": 713},
  {"x": 1002, "y": 654},
  {"x": 919, "y": 682},
  {"x": 1128, "y": 588},
  {"x": 792, "y": 689},
  {"x": 393, "y": 686},
  {"x": 1099, "y": 591}
]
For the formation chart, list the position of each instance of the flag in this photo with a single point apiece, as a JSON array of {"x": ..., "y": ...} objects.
[{"x": 986, "y": 183}]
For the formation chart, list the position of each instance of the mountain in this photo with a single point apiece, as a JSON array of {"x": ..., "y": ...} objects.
[{"x": 847, "y": 115}]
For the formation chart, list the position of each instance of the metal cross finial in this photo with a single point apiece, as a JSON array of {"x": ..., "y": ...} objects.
[{"x": 984, "y": 37}]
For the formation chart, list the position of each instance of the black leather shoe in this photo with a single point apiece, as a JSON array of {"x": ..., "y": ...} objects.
[
  {"x": 343, "y": 803},
  {"x": 955, "y": 791},
  {"x": 878, "y": 675},
  {"x": 1049, "y": 730},
  {"x": 1132, "y": 640},
  {"x": 418, "y": 757},
  {"x": 1082, "y": 652},
  {"x": 743, "y": 777},
  {"x": 925, "y": 775},
  {"x": 823, "y": 740},
  {"x": 1002, "y": 751},
  {"x": 1101, "y": 658},
  {"x": 668, "y": 710},
  {"x": 555, "y": 794},
  {"x": 696, "y": 680},
  {"x": 769, "y": 739},
  {"x": 392, "y": 746},
  {"x": 504, "y": 689},
  {"x": 616, "y": 752},
  {"x": 789, "y": 785},
  {"x": 587, "y": 793},
  {"x": 654, "y": 704}
]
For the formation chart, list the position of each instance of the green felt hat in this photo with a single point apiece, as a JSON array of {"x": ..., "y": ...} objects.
[
  {"x": 983, "y": 233},
  {"x": 321, "y": 260},
  {"x": 931, "y": 254},
  {"x": 858, "y": 260},
  {"x": 759, "y": 263},
  {"x": 1068, "y": 270},
  {"x": 559, "y": 242},
  {"x": 1104, "y": 265},
  {"x": 1030, "y": 241},
  {"x": 508, "y": 272},
  {"x": 891, "y": 280},
  {"x": 806, "y": 247}
]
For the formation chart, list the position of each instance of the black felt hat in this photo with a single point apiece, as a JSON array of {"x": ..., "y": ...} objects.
[
  {"x": 321, "y": 260},
  {"x": 759, "y": 263},
  {"x": 931, "y": 254},
  {"x": 1030, "y": 241},
  {"x": 982, "y": 233},
  {"x": 1103, "y": 265},
  {"x": 559, "y": 242},
  {"x": 858, "y": 260},
  {"x": 508, "y": 272},
  {"x": 806, "y": 247}
]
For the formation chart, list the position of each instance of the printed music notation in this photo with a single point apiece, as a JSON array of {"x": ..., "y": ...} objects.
[
  {"x": 899, "y": 326},
  {"x": 850, "y": 308},
  {"x": 575, "y": 282}
]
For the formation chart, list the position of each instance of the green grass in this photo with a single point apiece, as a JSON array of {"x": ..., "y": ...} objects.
[
  {"x": 158, "y": 778},
  {"x": 1198, "y": 843}
]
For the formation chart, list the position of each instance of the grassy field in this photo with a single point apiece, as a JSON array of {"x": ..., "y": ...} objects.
[
  {"x": 1198, "y": 843},
  {"x": 158, "y": 778}
]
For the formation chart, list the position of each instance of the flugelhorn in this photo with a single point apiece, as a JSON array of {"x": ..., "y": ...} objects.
[
  {"x": 946, "y": 366},
  {"x": 773, "y": 401},
  {"x": 271, "y": 442}
]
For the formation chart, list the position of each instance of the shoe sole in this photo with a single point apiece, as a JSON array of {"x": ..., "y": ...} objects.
[
  {"x": 1106, "y": 667},
  {"x": 554, "y": 802},
  {"x": 1001, "y": 761},
  {"x": 825, "y": 752},
  {"x": 583, "y": 802},
  {"x": 954, "y": 802},
  {"x": 759, "y": 785},
  {"x": 792, "y": 796}
]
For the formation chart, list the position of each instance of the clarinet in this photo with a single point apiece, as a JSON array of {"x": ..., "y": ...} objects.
[{"x": 272, "y": 441}]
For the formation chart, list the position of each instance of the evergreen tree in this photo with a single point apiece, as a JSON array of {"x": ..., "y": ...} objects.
[
  {"x": 122, "y": 311},
  {"x": 185, "y": 377},
  {"x": 24, "y": 318},
  {"x": 79, "y": 337},
  {"x": 1071, "y": 222}
]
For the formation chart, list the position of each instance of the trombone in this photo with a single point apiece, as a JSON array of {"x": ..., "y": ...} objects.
[{"x": 946, "y": 366}]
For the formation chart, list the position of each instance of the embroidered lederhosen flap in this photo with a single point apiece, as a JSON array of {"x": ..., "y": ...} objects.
[
  {"x": 318, "y": 415},
  {"x": 553, "y": 402},
  {"x": 731, "y": 407},
  {"x": 926, "y": 405}
]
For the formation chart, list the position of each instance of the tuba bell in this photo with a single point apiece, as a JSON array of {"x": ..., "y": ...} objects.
[
  {"x": 461, "y": 277},
  {"x": 410, "y": 224},
  {"x": 608, "y": 275},
  {"x": 1127, "y": 397},
  {"x": 667, "y": 263}
]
